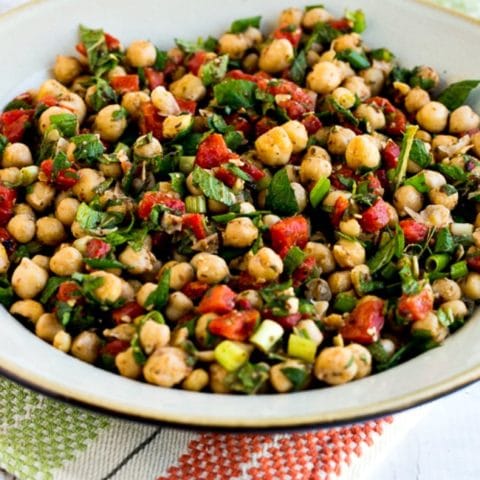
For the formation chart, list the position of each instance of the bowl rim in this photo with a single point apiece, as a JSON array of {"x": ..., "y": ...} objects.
[{"x": 359, "y": 413}]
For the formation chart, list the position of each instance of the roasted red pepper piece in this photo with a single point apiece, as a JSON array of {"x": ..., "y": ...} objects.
[
  {"x": 213, "y": 151},
  {"x": 413, "y": 231},
  {"x": 154, "y": 78},
  {"x": 303, "y": 272},
  {"x": 63, "y": 179},
  {"x": 196, "y": 60},
  {"x": 127, "y": 313},
  {"x": 195, "y": 290},
  {"x": 97, "y": 248},
  {"x": 291, "y": 33},
  {"x": 125, "y": 83},
  {"x": 365, "y": 321},
  {"x": 226, "y": 176},
  {"x": 340, "y": 207},
  {"x": 68, "y": 291},
  {"x": 375, "y": 217},
  {"x": 150, "y": 199},
  {"x": 151, "y": 121},
  {"x": 415, "y": 307},
  {"x": 289, "y": 232},
  {"x": 8, "y": 197},
  {"x": 236, "y": 325},
  {"x": 196, "y": 223},
  {"x": 14, "y": 123},
  {"x": 390, "y": 154},
  {"x": 218, "y": 299}
]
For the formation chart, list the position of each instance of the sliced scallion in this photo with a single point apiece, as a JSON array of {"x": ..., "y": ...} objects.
[{"x": 195, "y": 204}]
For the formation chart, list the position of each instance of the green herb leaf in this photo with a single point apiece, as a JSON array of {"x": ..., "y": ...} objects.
[
  {"x": 445, "y": 242},
  {"x": 102, "y": 95},
  {"x": 418, "y": 182},
  {"x": 358, "y": 19},
  {"x": 135, "y": 238},
  {"x": 51, "y": 287},
  {"x": 65, "y": 123},
  {"x": 242, "y": 24},
  {"x": 235, "y": 94},
  {"x": 249, "y": 378},
  {"x": 103, "y": 263},
  {"x": 382, "y": 54},
  {"x": 297, "y": 376},
  {"x": 456, "y": 94},
  {"x": 212, "y": 187},
  {"x": 319, "y": 192},
  {"x": 379, "y": 354},
  {"x": 88, "y": 148},
  {"x": 399, "y": 241},
  {"x": 214, "y": 70},
  {"x": 454, "y": 172},
  {"x": 238, "y": 172},
  {"x": 356, "y": 59},
  {"x": 177, "y": 179},
  {"x": 234, "y": 139},
  {"x": 323, "y": 33},
  {"x": 90, "y": 219},
  {"x": 6, "y": 293},
  {"x": 407, "y": 143},
  {"x": 294, "y": 258},
  {"x": 3, "y": 143},
  {"x": 159, "y": 297},
  {"x": 382, "y": 257},
  {"x": 138, "y": 355},
  {"x": 280, "y": 196},
  {"x": 191, "y": 47},
  {"x": 419, "y": 154},
  {"x": 445, "y": 317},
  {"x": 345, "y": 112},
  {"x": 160, "y": 60},
  {"x": 299, "y": 68}
]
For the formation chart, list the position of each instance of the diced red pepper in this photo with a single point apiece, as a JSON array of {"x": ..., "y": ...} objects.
[
  {"x": 125, "y": 83},
  {"x": 14, "y": 123},
  {"x": 294, "y": 109},
  {"x": 264, "y": 125},
  {"x": 7, "y": 241},
  {"x": 237, "y": 326},
  {"x": 382, "y": 103},
  {"x": 292, "y": 34},
  {"x": 112, "y": 42},
  {"x": 196, "y": 223},
  {"x": 8, "y": 197},
  {"x": 473, "y": 261},
  {"x": 226, "y": 176},
  {"x": 187, "y": 106},
  {"x": 213, "y": 151},
  {"x": 375, "y": 217},
  {"x": 154, "y": 78},
  {"x": 241, "y": 75},
  {"x": 286, "y": 321},
  {"x": 303, "y": 272},
  {"x": 374, "y": 183},
  {"x": 289, "y": 232},
  {"x": 339, "y": 209},
  {"x": 413, "y": 231},
  {"x": 48, "y": 101},
  {"x": 240, "y": 124},
  {"x": 244, "y": 281},
  {"x": 150, "y": 199},
  {"x": 396, "y": 123},
  {"x": 312, "y": 123},
  {"x": 218, "y": 299},
  {"x": 97, "y": 248},
  {"x": 195, "y": 290},
  {"x": 415, "y": 307},
  {"x": 151, "y": 121},
  {"x": 68, "y": 291},
  {"x": 255, "y": 172},
  {"x": 196, "y": 60},
  {"x": 286, "y": 87},
  {"x": 342, "y": 24},
  {"x": 64, "y": 179},
  {"x": 114, "y": 347},
  {"x": 127, "y": 313},
  {"x": 343, "y": 171},
  {"x": 390, "y": 154},
  {"x": 242, "y": 303},
  {"x": 365, "y": 321}
]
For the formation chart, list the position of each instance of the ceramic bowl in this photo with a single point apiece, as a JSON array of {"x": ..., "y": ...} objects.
[{"x": 417, "y": 33}]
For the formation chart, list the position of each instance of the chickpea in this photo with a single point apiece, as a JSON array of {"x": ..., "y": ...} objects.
[
  {"x": 476, "y": 144},
  {"x": 314, "y": 16},
  {"x": 215, "y": 207},
  {"x": 137, "y": 262},
  {"x": 110, "y": 123},
  {"x": 42, "y": 261},
  {"x": 374, "y": 78},
  {"x": 143, "y": 293},
  {"x": 300, "y": 196},
  {"x": 29, "y": 309},
  {"x": 309, "y": 327},
  {"x": 196, "y": 381},
  {"x": 233, "y": 44},
  {"x": 316, "y": 164},
  {"x": 17, "y": 155},
  {"x": 127, "y": 365},
  {"x": 10, "y": 175},
  {"x": 52, "y": 88},
  {"x": 333, "y": 196},
  {"x": 416, "y": 99},
  {"x": 434, "y": 179},
  {"x": 66, "y": 210},
  {"x": 363, "y": 359},
  {"x": 62, "y": 341},
  {"x": 265, "y": 265},
  {"x": 47, "y": 327},
  {"x": 252, "y": 297},
  {"x": 463, "y": 119},
  {"x": 66, "y": 262},
  {"x": 407, "y": 196},
  {"x": 350, "y": 227},
  {"x": 40, "y": 196},
  {"x": 276, "y": 56},
  {"x": 274, "y": 147},
  {"x": 50, "y": 231},
  {"x": 433, "y": 117},
  {"x": 209, "y": 268},
  {"x": 240, "y": 233},
  {"x": 371, "y": 114},
  {"x": 66, "y": 69},
  {"x": 154, "y": 335},
  {"x": 340, "y": 282},
  {"x": 348, "y": 253},
  {"x": 44, "y": 121},
  {"x": 218, "y": 376},
  {"x": 201, "y": 327},
  {"x": 178, "y": 305},
  {"x": 338, "y": 139},
  {"x": 146, "y": 147},
  {"x": 471, "y": 286},
  {"x": 457, "y": 307},
  {"x": 141, "y": 53},
  {"x": 174, "y": 125},
  {"x": 358, "y": 87},
  {"x": 22, "y": 228},
  {"x": 164, "y": 101},
  {"x": 279, "y": 380},
  {"x": 123, "y": 331},
  {"x": 166, "y": 367},
  {"x": 324, "y": 78},
  {"x": 132, "y": 102},
  {"x": 439, "y": 196},
  {"x": 323, "y": 256},
  {"x": 336, "y": 365},
  {"x": 181, "y": 274},
  {"x": 432, "y": 326},
  {"x": 270, "y": 220},
  {"x": 437, "y": 216},
  {"x": 362, "y": 152},
  {"x": 292, "y": 173},
  {"x": 86, "y": 346},
  {"x": 89, "y": 180},
  {"x": 188, "y": 87},
  {"x": 110, "y": 290},
  {"x": 298, "y": 135}
]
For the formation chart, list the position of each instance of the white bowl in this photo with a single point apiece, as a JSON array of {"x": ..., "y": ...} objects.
[{"x": 31, "y": 36}]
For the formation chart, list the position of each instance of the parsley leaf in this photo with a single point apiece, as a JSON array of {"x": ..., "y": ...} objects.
[
  {"x": 90, "y": 219},
  {"x": 102, "y": 95},
  {"x": 358, "y": 19},
  {"x": 299, "y": 68},
  {"x": 242, "y": 24},
  {"x": 457, "y": 93},
  {"x": 297, "y": 376},
  {"x": 159, "y": 297},
  {"x": 88, "y": 148},
  {"x": 280, "y": 196},
  {"x": 214, "y": 70},
  {"x": 212, "y": 187},
  {"x": 294, "y": 258},
  {"x": 50, "y": 288},
  {"x": 356, "y": 59},
  {"x": 65, "y": 123},
  {"x": 235, "y": 94},
  {"x": 419, "y": 154}
]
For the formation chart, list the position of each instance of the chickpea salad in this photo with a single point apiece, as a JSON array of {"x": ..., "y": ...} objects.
[{"x": 251, "y": 213}]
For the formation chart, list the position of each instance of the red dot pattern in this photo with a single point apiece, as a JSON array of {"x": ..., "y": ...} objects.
[{"x": 299, "y": 456}]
